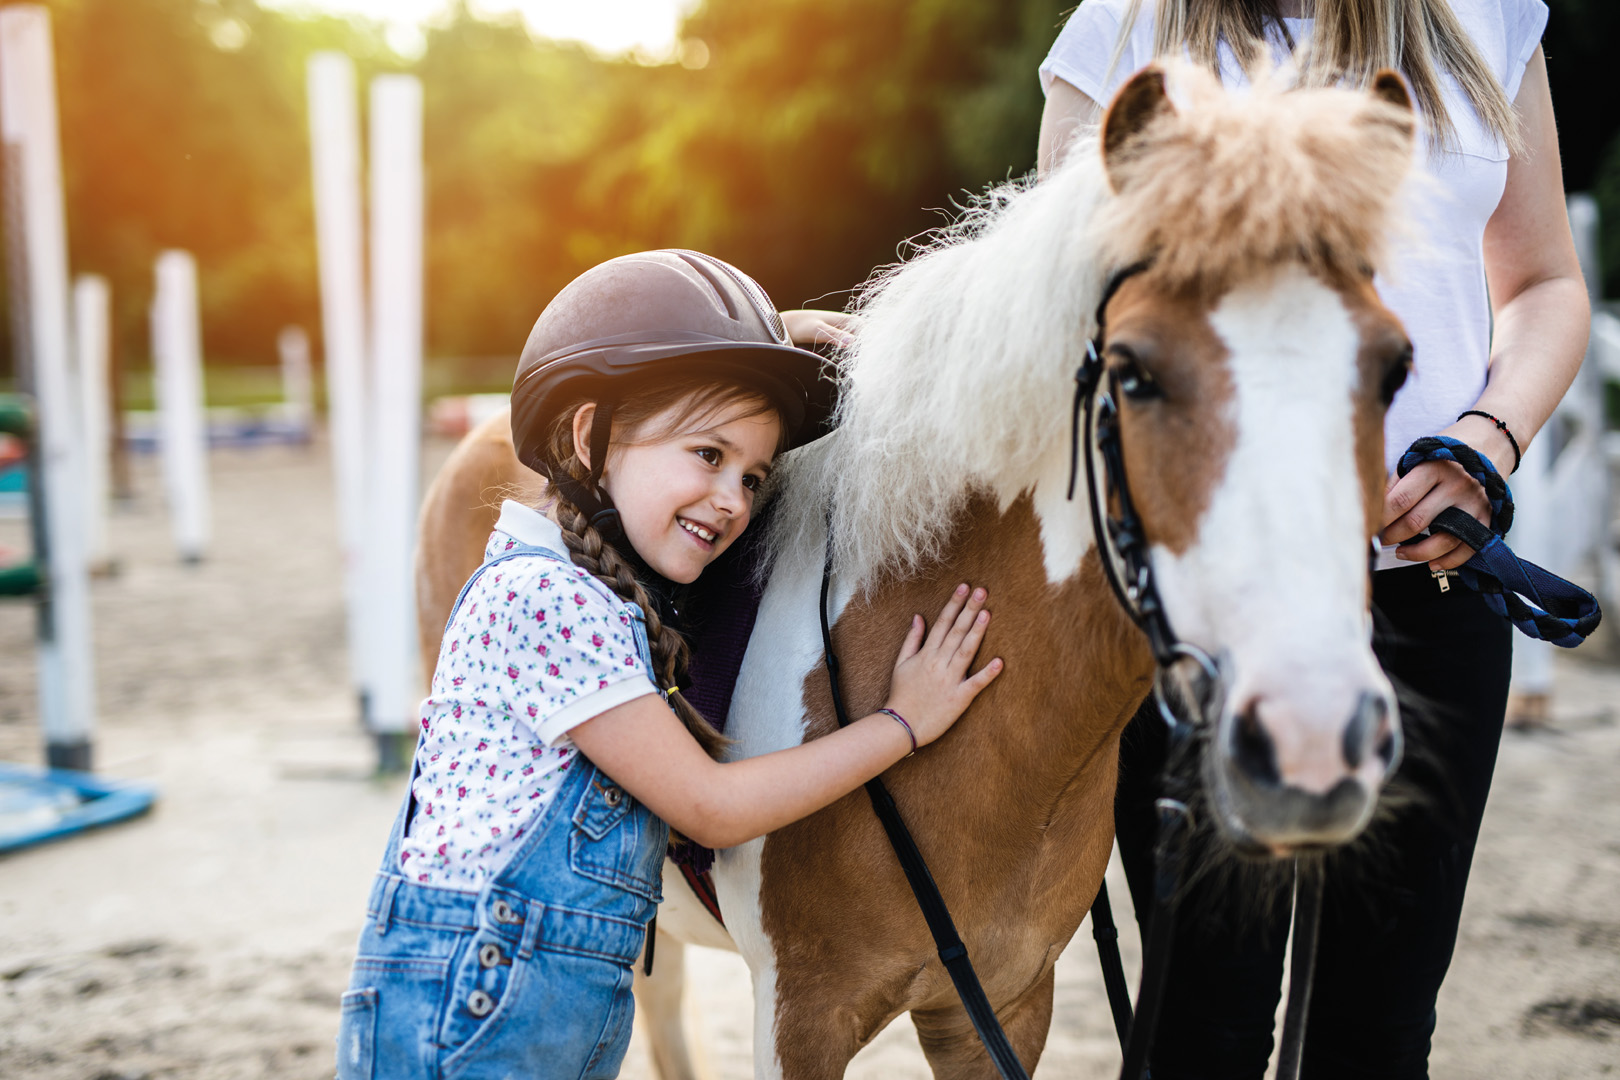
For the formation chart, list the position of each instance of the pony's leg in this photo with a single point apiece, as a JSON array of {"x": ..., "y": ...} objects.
[
  {"x": 658, "y": 1000},
  {"x": 953, "y": 1048},
  {"x": 819, "y": 1052}
]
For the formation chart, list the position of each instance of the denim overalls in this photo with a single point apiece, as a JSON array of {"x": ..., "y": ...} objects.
[{"x": 529, "y": 977}]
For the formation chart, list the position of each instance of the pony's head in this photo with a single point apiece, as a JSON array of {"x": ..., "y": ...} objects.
[{"x": 1254, "y": 363}]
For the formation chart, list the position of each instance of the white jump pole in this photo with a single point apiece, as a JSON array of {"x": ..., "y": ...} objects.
[
  {"x": 396, "y": 431},
  {"x": 37, "y": 231},
  {"x": 92, "y": 311},
  {"x": 334, "y": 129},
  {"x": 177, "y": 359},
  {"x": 297, "y": 385}
]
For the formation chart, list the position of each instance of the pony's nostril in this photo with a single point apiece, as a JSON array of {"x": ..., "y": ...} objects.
[
  {"x": 1252, "y": 748},
  {"x": 1369, "y": 727}
]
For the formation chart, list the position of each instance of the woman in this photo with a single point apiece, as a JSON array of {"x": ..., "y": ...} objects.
[{"x": 1491, "y": 293}]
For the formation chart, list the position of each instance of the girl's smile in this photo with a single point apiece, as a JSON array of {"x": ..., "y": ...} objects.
[{"x": 684, "y": 498}]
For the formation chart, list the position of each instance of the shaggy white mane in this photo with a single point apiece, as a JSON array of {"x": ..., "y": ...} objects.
[{"x": 961, "y": 379}]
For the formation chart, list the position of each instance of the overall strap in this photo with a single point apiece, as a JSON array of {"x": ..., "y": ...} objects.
[
  {"x": 518, "y": 548},
  {"x": 407, "y": 807}
]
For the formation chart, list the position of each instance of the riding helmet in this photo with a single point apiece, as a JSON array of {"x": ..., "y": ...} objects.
[{"x": 634, "y": 315}]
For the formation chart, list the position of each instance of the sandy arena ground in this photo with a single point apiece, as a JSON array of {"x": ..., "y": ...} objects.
[{"x": 211, "y": 939}]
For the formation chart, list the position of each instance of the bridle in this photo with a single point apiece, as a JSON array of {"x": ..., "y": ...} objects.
[{"x": 1123, "y": 551}]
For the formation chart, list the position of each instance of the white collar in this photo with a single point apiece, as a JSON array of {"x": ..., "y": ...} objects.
[{"x": 529, "y": 526}]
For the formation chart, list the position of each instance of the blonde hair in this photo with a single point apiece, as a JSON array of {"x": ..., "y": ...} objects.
[{"x": 1352, "y": 40}]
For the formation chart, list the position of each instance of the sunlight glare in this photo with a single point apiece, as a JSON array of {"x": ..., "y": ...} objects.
[{"x": 646, "y": 29}]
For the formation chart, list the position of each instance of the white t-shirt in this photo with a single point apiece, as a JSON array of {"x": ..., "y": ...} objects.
[
  {"x": 536, "y": 648},
  {"x": 1435, "y": 279}
]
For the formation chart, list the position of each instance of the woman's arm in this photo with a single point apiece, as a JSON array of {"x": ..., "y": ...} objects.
[
  {"x": 643, "y": 747},
  {"x": 1067, "y": 110},
  {"x": 1541, "y": 321}
]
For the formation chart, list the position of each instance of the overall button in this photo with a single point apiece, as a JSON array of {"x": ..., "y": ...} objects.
[
  {"x": 480, "y": 1004},
  {"x": 612, "y": 796},
  {"x": 503, "y": 913},
  {"x": 489, "y": 955}
]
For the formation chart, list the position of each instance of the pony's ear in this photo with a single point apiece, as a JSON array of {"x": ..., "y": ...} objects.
[
  {"x": 1139, "y": 102},
  {"x": 1390, "y": 88},
  {"x": 1395, "y": 103}
]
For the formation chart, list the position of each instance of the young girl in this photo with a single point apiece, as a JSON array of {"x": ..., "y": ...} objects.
[{"x": 557, "y": 752}]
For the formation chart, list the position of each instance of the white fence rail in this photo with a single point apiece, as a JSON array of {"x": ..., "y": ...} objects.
[{"x": 1562, "y": 490}]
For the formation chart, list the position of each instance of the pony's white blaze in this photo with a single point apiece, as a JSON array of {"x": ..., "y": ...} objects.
[
  {"x": 1277, "y": 576},
  {"x": 767, "y": 714}
]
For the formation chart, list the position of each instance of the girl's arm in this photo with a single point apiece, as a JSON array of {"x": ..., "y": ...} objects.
[
  {"x": 643, "y": 747},
  {"x": 1541, "y": 321}
]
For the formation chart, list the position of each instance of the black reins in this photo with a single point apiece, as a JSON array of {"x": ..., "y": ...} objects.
[
  {"x": 947, "y": 942},
  {"x": 1123, "y": 551}
]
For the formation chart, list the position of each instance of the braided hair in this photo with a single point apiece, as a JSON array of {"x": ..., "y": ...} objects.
[{"x": 671, "y": 653}]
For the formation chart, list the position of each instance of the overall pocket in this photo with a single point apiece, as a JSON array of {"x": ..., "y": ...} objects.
[
  {"x": 561, "y": 1017},
  {"x": 617, "y": 841},
  {"x": 357, "y": 1035},
  {"x": 483, "y": 980}
]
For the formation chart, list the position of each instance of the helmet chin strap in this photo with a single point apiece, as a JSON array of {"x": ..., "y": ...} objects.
[{"x": 596, "y": 504}]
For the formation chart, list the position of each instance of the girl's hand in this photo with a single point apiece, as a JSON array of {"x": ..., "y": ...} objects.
[
  {"x": 809, "y": 327},
  {"x": 1412, "y": 502},
  {"x": 931, "y": 686}
]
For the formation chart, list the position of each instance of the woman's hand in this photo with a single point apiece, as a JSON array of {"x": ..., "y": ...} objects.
[
  {"x": 1412, "y": 502},
  {"x": 931, "y": 686},
  {"x": 807, "y": 326}
]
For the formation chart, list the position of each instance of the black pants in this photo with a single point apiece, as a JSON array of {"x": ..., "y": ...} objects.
[{"x": 1390, "y": 908}]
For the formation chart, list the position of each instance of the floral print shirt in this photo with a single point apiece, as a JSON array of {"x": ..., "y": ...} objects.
[{"x": 536, "y": 648}]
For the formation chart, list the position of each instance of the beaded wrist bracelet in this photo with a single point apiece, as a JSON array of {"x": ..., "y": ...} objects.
[
  {"x": 912, "y": 735},
  {"x": 1501, "y": 425}
]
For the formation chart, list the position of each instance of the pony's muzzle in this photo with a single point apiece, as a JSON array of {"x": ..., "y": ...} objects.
[{"x": 1281, "y": 785}]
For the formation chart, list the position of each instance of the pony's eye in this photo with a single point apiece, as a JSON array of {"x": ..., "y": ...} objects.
[
  {"x": 1395, "y": 377},
  {"x": 1137, "y": 384}
]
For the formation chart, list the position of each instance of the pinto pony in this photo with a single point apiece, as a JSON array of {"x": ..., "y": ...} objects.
[{"x": 1253, "y": 362}]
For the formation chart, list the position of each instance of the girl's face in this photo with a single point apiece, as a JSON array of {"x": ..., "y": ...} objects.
[{"x": 684, "y": 498}]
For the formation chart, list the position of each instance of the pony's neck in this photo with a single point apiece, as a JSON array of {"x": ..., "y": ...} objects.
[
  {"x": 1076, "y": 667},
  {"x": 961, "y": 378}
]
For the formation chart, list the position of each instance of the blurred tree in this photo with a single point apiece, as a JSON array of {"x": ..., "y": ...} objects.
[
  {"x": 1581, "y": 41},
  {"x": 183, "y": 125},
  {"x": 805, "y": 140}
]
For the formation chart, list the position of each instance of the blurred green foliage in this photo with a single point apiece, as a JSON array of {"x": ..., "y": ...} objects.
[
  {"x": 813, "y": 141},
  {"x": 817, "y": 137},
  {"x": 1582, "y": 41}
]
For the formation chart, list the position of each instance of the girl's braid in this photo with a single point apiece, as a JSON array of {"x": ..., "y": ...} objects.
[{"x": 670, "y": 652}]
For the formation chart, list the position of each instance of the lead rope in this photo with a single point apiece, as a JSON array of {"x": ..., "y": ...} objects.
[
  {"x": 1301, "y": 968},
  {"x": 1539, "y": 603}
]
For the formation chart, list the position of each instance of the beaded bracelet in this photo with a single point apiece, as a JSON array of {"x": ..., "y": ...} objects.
[
  {"x": 1501, "y": 425},
  {"x": 912, "y": 735}
]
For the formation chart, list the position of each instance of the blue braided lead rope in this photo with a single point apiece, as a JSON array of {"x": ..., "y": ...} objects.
[{"x": 1541, "y": 604}]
